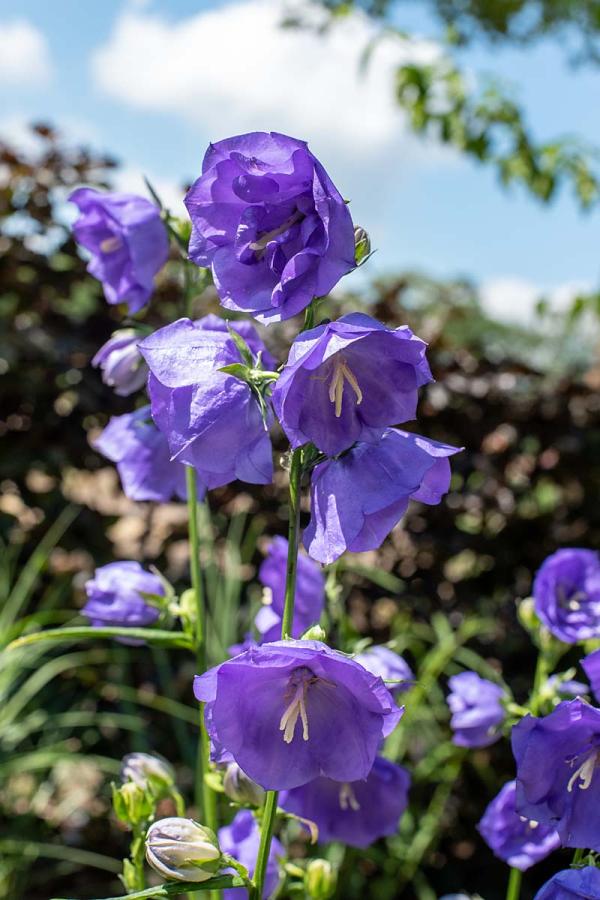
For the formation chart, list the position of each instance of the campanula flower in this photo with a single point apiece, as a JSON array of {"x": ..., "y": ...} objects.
[
  {"x": 591, "y": 666},
  {"x": 557, "y": 771},
  {"x": 356, "y": 813},
  {"x": 127, "y": 241},
  {"x": 357, "y": 499},
  {"x": 292, "y": 710},
  {"x": 347, "y": 381},
  {"x": 389, "y": 666},
  {"x": 566, "y": 592},
  {"x": 241, "y": 840},
  {"x": 114, "y": 595},
  {"x": 572, "y": 884},
  {"x": 121, "y": 362},
  {"x": 270, "y": 223},
  {"x": 477, "y": 711},
  {"x": 211, "y": 420},
  {"x": 309, "y": 597},
  {"x": 516, "y": 840},
  {"x": 141, "y": 454}
]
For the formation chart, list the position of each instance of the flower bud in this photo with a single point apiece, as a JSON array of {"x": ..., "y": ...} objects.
[
  {"x": 320, "y": 879},
  {"x": 123, "y": 367},
  {"x": 362, "y": 245},
  {"x": 240, "y": 788},
  {"x": 182, "y": 850},
  {"x": 132, "y": 803},
  {"x": 149, "y": 772}
]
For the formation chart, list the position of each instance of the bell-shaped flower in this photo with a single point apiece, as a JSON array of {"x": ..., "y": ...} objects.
[
  {"x": 309, "y": 595},
  {"x": 566, "y": 592},
  {"x": 572, "y": 884},
  {"x": 270, "y": 223},
  {"x": 389, "y": 666},
  {"x": 591, "y": 666},
  {"x": 347, "y": 381},
  {"x": 127, "y": 241},
  {"x": 211, "y": 419},
  {"x": 115, "y": 596},
  {"x": 241, "y": 839},
  {"x": 477, "y": 710},
  {"x": 292, "y": 710},
  {"x": 356, "y": 813},
  {"x": 357, "y": 498}
]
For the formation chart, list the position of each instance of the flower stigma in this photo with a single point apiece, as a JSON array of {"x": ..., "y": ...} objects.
[
  {"x": 297, "y": 687},
  {"x": 111, "y": 244},
  {"x": 348, "y": 798},
  {"x": 341, "y": 373},
  {"x": 584, "y": 773}
]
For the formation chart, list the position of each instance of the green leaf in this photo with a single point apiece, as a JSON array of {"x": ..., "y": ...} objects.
[
  {"x": 243, "y": 348},
  {"x": 174, "y": 888},
  {"x": 80, "y": 632},
  {"x": 238, "y": 370}
]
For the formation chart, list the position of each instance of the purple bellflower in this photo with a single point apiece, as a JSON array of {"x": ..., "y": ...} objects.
[
  {"x": 291, "y": 711},
  {"x": 127, "y": 241},
  {"x": 141, "y": 454},
  {"x": 211, "y": 420},
  {"x": 347, "y": 381},
  {"x": 591, "y": 666},
  {"x": 477, "y": 711},
  {"x": 557, "y": 780},
  {"x": 572, "y": 884},
  {"x": 114, "y": 596},
  {"x": 356, "y": 813},
  {"x": 566, "y": 592},
  {"x": 270, "y": 223},
  {"x": 121, "y": 362},
  {"x": 357, "y": 498},
  {"x": 517, "y": 841},
  {"x": 241, "y": 840},
  {"x": 389, "y": 666},
  {"x": 309, "y": 598}
]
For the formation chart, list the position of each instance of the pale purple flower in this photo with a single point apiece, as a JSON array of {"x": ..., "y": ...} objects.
[
  {"x": 347, "y": 381},
  {"x": 121, "y": 362},
  {"x": 270, "y": 223},
  {"x": 591, "y": 666},
  {"x": 477, "y": 710},
  {"x": 241, "y": 840},
  {"x": 566, "y": 591},
  {"x": 513, "y": 838},
  {"x": 127, "y": 241},
  {"x": 115, "y": 596},
  {"x": 309, "y": 594},
  {"x": 389, "y": 666}
]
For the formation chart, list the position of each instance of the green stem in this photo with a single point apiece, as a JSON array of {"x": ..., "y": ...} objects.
[
  {"x": 270, "y": 807},
  {"x": 578, "y": 856},
  {"x": 513, "y": 890}
]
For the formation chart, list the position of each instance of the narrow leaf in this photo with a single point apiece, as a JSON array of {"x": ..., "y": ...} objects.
[{"x": 80, "y": 632}]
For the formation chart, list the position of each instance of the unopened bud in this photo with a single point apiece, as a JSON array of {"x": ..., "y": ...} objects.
[
  {"x": 527, "y": 616},
  {"x": 362, "y": 245},
  {"x": 314, "y": 633},
  {"x": 320, "y": 879},
  {"x": 240, "y": 788},
  {"x": 149, "y": 772},
  {"x": 132, "y": 803},
  {"x": 182, "y": 850}
]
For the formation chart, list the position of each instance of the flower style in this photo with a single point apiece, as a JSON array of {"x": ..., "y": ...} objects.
[
  {"x": 115, "y": 596},
  {"x": 566, "y": 592},
  {"x": 572, "y": 884},
  {"x": 141, "y": 454},
  {"x": 389, "y": 666},
  {"x": 309, "y": 597},
  {"x": 127, "y": 241},
  {"x": 346, "y": 381},
  {"x": 516, "y": 840},
  {"x": 241, "y": 840},
  {"x": 591, "y": 666},
  {"x": 477, "y": 711},
  {"x": 356, "y": 813},
  {"x": 270, "y": 223},
  {"x": 211, "y": 420},
  {"x": 292, "y": 710},
  {"x": 121, "y": 363},
  {"x": 557, "y": 782},
  {"x": 357, "y": 498}
]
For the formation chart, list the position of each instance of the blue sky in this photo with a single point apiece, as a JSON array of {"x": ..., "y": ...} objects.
[{"x": 153, "y": 81}]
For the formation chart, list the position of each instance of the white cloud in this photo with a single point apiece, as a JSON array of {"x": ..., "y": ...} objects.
[
  {"x": 234, "y": 69},
  {"x": 24, "y": 54},
  {"x": 512, "y": 299}
]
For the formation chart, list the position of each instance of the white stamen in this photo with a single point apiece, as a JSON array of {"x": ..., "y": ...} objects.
[
  {"x": 259, "y": 246},
  {"x": 584, "y": 773},
  {"x": 342, "y": 372},
  {"x": 109, "y": 245},
  {"x": 296, "y": 710},
  {"x": 348, "y": 798}
]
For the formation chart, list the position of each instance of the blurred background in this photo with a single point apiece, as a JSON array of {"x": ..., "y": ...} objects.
[{"x": 465, "y": 135}]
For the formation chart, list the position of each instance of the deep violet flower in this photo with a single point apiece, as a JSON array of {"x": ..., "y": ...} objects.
[
  {"x": 389, "y": 666},
  {"x": 270, "y": 223},
  {"x": 141, "y": 454},
  {"x": 513, "y": 838},
  {"x": 241, "y": 840},
  {"x": 356, "y": 813},
  {"x": 309, "y": 597},
  {"x": 357, "y": 498},
  {"x": 557, "y": 771},
  {"x": 591, "y": 666},
  {"x": 347, "y": 381},
  {"x": 477, "y": 711},
  {"x": 121, "y": 362},
  {"x": 572, "y": 884},
  {"x": 566, "y": 592},
  {"x": 127, "y": 241},
  {"x": 114, "y": 596},
  {"x": 292, "y": 710},
  {"x": 211, "y": 420}
]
